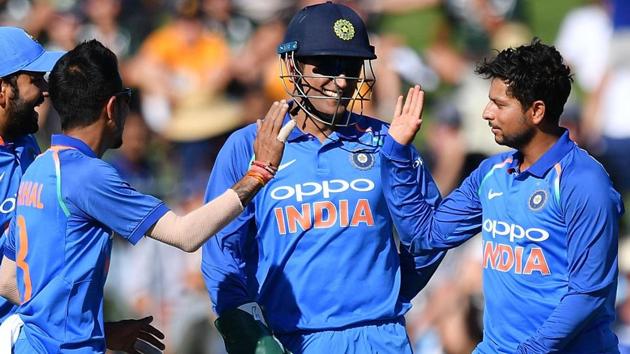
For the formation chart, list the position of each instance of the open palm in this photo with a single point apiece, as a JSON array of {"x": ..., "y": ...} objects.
[{"x": 408, "y": 116}]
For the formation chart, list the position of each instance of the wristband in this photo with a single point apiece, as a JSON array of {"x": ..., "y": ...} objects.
[
  {"x": 266, "y": 165},
  {"x": 257, "y": 176},
  {"x": 267, "y": 176}
]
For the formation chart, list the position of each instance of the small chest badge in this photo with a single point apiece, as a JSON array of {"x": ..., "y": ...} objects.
[
  {"x": 344, "y": 29},
  {"x": 361, "y": 160},
  {"x": 537, "y": 200}
]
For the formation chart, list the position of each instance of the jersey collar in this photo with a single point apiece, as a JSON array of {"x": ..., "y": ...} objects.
[
  {"x": 12, "y": 144},
  {"x": 548, "y": 159},
  {"x": 65, "y": 140},
  {"x": 352, "y": 131}
]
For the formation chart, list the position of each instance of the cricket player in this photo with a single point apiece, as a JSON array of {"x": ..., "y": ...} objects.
[
  {"x": 315, "y": 249},
  {"x": 71, "y": 204},
  {"x": 23, "y": 63},
  {"x": 547, "y": 212}
]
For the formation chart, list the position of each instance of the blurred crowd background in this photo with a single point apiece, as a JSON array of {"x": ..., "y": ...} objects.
[{"x": 202, "y": 68}]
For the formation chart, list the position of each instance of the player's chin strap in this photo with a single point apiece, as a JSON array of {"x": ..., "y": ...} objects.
[
  {"x": 9, "y": 333},
  {"x": 302, "y": 100},
  {"x": 308, "y": 108}
]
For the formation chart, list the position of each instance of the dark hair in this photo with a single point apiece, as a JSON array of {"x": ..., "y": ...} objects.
[
  {"x": 532, "y": 72},
  {"x": 82, "y": 82}
]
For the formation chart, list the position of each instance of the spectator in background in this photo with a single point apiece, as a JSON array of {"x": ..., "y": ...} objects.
[
  {"x": 605, "y": 115},
  {"x": 103, "y": 25},
  {"x": 182, "y": 71},
  {"x": 584, "y": 40},
  {"x": 64, "y": 30},
  {"x": 255, "y": 73},
  {"x": 132, "y": 160},
  {"x": 219, "y": 16}
]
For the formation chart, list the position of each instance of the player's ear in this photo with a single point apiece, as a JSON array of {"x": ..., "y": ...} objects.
[
  {"x": 6, "y": 92},
  {"x": 110, "y": 109},
  {"x": 537, "y": 111},
  {"x": 3, "y": 93}
]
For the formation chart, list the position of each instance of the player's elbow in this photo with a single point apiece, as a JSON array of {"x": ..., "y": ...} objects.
[
  {"x": 189, "y": 248},
  {"x": 9, "y": 292}
]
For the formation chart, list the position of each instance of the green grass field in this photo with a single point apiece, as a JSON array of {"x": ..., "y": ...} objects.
[{"x": 418, "y": 27}]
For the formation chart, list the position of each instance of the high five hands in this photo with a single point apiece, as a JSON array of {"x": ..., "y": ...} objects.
[
  {"x": 269, "y": 143},
  {"x": 408, "y": 116}
]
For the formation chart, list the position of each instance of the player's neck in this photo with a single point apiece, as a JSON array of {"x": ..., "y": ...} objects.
[
  {"x": 92, "y": 136},
  {"x": 538, "y": 146},
  {"x": 311, "y": 126}
]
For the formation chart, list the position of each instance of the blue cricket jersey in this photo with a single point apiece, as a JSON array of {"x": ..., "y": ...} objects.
[
  {"x": 69, "y": 205},
  {"x": 549, "y": 244},
  {"x": 15, "y": 157},
  {"x": 315, "y": 246}
]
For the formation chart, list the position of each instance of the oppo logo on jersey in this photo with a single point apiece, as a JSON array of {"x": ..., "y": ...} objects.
[
  {"x": 323, "y": 188},
  {"x": 513, "y": 231}
]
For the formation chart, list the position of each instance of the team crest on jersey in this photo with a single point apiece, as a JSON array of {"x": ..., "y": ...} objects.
[
  {"x": 344, "y": 29},
  {"x": 537, "y": 200},
  {"x": 361, "y": 160}
]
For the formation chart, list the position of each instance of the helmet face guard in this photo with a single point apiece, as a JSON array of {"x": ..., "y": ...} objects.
[
  {"x": 298, "y": 88},
  {"x": 336, "y": 32}
]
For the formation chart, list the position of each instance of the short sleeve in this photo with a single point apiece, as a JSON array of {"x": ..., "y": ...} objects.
[
  {"x": 105, "y": 196},
  {"x": 7, "y": 241}
]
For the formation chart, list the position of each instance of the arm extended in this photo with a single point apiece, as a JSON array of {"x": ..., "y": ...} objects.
[{"x": 190, "y": 231}]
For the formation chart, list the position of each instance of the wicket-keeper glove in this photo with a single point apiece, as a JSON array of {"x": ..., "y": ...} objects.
[{"x": 245, "y": 331}]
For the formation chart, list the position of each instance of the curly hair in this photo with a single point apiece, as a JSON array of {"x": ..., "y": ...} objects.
[{"x": 532, "y": 72}]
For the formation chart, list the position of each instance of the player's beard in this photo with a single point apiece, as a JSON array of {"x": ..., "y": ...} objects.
[
  {"x": 22, "y": 118},
  {"x": 118, "y": 131},
  {"x": 117, "y": 142},
  {"x": 518, "y": 141}
]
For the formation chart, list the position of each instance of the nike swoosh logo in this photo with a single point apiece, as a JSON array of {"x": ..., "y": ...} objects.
[
  {"x": 285, "y": 165},
  {"x": 492, "y": 195}
]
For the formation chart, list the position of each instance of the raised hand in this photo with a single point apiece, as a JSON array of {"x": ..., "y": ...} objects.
[
  {"x": 128, "y": 336},
  {"x": 408, "y": 116},
  {"x": 271, "y": 136}
]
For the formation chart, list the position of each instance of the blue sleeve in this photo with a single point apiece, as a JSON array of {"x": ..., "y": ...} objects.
[
  {"x": 8, "y": 241},
  {"x": 417, "y": 270},
  {"x": 421, "y": 225},
  {"x": 229, "y": 256},
  {"x": 104, "y": 196},
  {"x": 592, "y": 218}
]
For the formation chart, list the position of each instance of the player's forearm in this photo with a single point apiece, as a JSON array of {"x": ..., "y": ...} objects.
[
  {"x": 568, "y": 319},
  {"x": 8, "y": 282},
  {"x": 246, "y": 188},
  {"x": 422, "y": 221},
  {"x": 411, "y": 213},
  {"x": 190, "y": 231}
]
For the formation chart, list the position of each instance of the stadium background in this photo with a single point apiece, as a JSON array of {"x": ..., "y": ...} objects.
[{"x": 202, "y": 68}]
